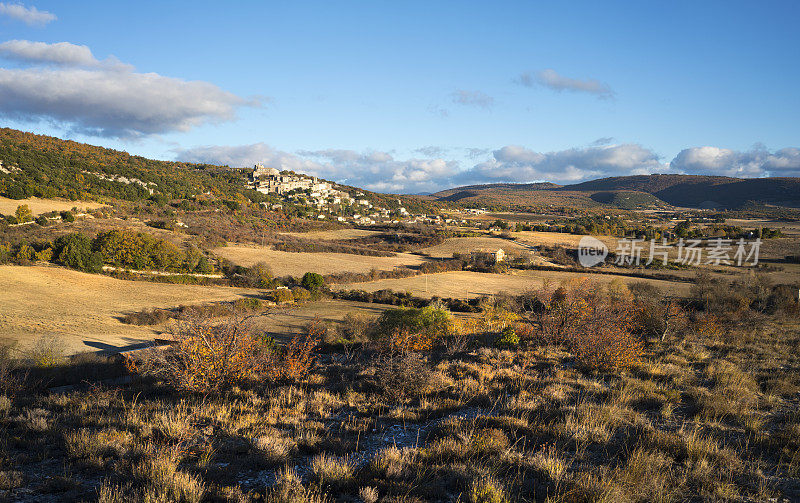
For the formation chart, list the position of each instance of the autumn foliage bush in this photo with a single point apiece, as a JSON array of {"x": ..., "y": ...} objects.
[
  {"x": 210, "y": 357},
  {"x": 406, "y": 330},
  {"x": 597, "y": 324},
  {"x": 206, "y": 356},
  {"x": 404, "y": 340},
  {"x": 294, "y": 362}
]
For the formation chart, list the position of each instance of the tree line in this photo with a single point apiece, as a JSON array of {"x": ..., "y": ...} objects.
[{"x": 123, "y": 249}]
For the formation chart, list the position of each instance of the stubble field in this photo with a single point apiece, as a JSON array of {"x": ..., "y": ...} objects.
[
  {"x": 298, "y": 263},
  {"x": 467, "y": 284},
  {"x": 80, "y": 311},
  {"x": 37, "y": 205}
]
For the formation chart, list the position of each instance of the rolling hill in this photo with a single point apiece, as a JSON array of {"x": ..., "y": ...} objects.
[
  {"x": 33, "y": 165},
  {"x": 638, "y": 192}
]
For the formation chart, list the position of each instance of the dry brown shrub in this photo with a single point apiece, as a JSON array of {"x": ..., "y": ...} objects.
[
  {"x": 210, "y": 357},
  {"x": 606, "y": 340},
  {"x": 148, "y": 317},
  {"x": 708, "y": 325},
  {"x": 403, "y": 341},
  {"x": 298, "y": 358},
  {"x": 403, "y": 376},
  {"x": 609, "y": 348},
  {"x": 597, "y": 324},
  {"x": 206, "y": 356}
]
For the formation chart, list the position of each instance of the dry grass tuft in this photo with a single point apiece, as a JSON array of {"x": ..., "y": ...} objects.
[{"x": 329, "y": 469}]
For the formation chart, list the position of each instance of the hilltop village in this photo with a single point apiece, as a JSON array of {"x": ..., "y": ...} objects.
[{"x": 328, "y": 199}]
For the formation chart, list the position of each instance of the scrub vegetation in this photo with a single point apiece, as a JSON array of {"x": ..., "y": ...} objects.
[{"x": 570, "y": 392}]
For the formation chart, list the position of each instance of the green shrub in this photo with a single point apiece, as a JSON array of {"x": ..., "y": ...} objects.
[
  {"x": 5, "y": 253},
  {"x": 301, "y": 294},
  {"x": 23, "y": 213},
  {"x": 67, "y": 216},
  {"x": 282, "y": 295},
  {"x": 247, "y": 305},
  {"x": 508, "y": 339},
  {"x": 312, "y": 282},
  {"x": 434, "y": 322},
  {"x": 25, "y": 255},
  {"x": 46, "y": 255},
  {"x": 75, "y": 251}
]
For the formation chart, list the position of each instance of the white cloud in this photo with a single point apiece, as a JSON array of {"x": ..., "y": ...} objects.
[
  {"x": 605, "y": 140},
  {"x": 372, "y": 170},
  {"x": 248, "y": 155},
  {"x": 514, "y": 163},
  {"x": 551, "y": 79},
  {"x": 105, "y": 98},
  {"x": 757, "y": 162},
  {"x": 28, "y": 15},
  {"x": 381, "y": 172},
  {"x": 61, "y": 53},
  {"x": 472, "y": 98}
]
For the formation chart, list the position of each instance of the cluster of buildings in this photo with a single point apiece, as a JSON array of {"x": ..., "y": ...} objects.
[
  {"x": 272, "y": 181},
  {"x": 329, "y": 201}
]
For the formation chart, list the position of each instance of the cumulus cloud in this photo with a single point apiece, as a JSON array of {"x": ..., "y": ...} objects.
[
  {"x": 113, "y": 103},
  {"x": 474, "y": 153},
  {"x": 381, "y": 172},
  {"x": 551, "y": 79},
  {"x": 373, "y": 170},
  {"x": 605, "y": 140},
  {"x": 472, "y": 98},
  {"x": 105, "y": 98},
  {"x": 757, "y": 162},
  {"x": 514, "y": 163},
  {"x": 28, "y": 15},
  {"x": 248, "y": 155},
  {"x": 61, "y": 53}
]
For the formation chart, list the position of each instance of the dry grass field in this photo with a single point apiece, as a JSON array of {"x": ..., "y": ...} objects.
[
  {"x": 38, "y": 206},
  {"x": 333, "y": 234},
  {"x": 466, "y": 284},
  {"x": 282, "y": 322},
  {"x": 788, "y": 228},
  {"x": 298, "y": 263},
  {"x": 466, "y": 245},
  {"x": 80, "y": 310},
  {"x": 556, "y": 238}
]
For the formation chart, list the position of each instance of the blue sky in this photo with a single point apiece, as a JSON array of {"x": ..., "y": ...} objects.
[{"x": 416, "y": 96}]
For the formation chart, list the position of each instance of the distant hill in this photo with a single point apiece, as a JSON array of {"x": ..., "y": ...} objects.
[
  {"x": 468, "y": 191},
  {"x": 640, "y": 191},
  {"x": 697, "y": 191}
]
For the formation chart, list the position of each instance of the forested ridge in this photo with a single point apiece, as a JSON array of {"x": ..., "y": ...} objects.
[{"x": 44, "y": 166}]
